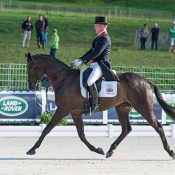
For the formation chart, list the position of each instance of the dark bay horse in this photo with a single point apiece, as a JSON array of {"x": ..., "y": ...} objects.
[{"x": 133, "y": 91}]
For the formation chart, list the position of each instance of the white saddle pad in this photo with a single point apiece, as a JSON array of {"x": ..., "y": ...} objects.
[{"x": 108, "y": 88}]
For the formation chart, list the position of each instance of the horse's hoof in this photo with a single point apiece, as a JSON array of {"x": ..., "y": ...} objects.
[
  {"x": 172, "y": 154},
  {"x": 30, "y": 152},
  {"x": 109, "y": 154},
  {"x": 100, "y": 151}
]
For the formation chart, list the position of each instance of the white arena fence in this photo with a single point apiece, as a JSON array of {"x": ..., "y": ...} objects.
[
  {"x": 90, "y": 131},
  {"x": 14, "y": 83},
  {"x": 14, "y": 76}
]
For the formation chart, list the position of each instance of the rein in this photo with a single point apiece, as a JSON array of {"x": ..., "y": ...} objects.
[{"x": 46, "y": 76}]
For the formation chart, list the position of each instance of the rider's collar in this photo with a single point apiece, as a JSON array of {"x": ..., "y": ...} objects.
[{"x": 102, "y": 33}]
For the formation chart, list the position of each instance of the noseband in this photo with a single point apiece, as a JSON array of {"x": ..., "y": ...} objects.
[
  {"x": 42, "y": 78},
  {"x": 35, "y": 72}
]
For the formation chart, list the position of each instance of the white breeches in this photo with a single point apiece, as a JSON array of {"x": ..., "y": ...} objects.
[{"x": 95, "y": 74}]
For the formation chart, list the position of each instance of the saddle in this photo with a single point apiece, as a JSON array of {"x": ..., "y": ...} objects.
[
  {"x": 105, "y": 88},
  {"x": 86, "y": 75}
]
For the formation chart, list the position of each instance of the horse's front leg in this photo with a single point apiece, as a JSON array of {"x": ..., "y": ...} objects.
[
  {"x": 59, "y": 114},
  {"x": 80, "y": 129}
]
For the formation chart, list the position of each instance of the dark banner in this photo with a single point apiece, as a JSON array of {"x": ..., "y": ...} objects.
[
  {"x": 135, "y": 116},
  {"x": 112, "y": 115},
  {"x": 19, "y": 106},
  {"x": 28, "y": 106}
]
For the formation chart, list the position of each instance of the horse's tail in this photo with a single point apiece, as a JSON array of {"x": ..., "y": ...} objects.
[{"x": 166, "y": 107}]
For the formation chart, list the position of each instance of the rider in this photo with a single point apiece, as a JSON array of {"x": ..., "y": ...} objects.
[{"x": 98, "y": 57}]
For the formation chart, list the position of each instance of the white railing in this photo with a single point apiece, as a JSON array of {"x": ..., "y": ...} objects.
[
  {"x": 14, "y": 76},
  {"x": 90, "y": 131}
]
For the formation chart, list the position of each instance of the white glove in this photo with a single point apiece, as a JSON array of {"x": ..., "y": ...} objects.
[{"x": 76, "y": 63}]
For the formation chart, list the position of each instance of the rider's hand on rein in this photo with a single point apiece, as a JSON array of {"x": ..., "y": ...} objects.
[{"x": 76, "y": 63}]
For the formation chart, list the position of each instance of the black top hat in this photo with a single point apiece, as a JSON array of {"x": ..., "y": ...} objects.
[{"x": 101, "y": 20}]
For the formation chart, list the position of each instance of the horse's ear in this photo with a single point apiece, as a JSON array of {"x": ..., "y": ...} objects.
[{"x": 28, "y": 55}]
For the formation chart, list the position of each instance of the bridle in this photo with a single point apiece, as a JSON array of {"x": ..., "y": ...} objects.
[
  {"x": 35, "y": 72},
  {"x": 38, "y": 79}
]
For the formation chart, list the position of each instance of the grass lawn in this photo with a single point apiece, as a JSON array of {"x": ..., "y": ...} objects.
[{"x": 76, "y": 34}]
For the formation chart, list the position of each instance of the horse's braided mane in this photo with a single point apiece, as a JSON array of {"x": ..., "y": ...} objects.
[
  {"x": 52, "y": 58},
  {"x": 57, "y": 61}
]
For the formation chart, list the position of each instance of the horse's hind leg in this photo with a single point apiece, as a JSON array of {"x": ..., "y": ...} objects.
[
  {"x": 80, "y": 129},
  {"x": 152, "y": 120},
  {"x": 145, "y": 108},
  {"x": 160, "y": 131},
  {"x": 59, "y": 114},
  {"x": 123, "y": 117}
]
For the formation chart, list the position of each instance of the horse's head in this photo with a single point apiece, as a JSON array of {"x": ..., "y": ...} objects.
[{"x": 34, "y": 72}]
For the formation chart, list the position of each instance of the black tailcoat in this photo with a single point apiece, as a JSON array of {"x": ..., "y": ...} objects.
[{"x": 99, "y": 53}]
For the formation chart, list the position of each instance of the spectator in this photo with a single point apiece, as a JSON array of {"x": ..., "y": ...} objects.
[
  {"x": 45, "y": 32},
  {"x": 54, "y": 43},
  {"x": 39, "y": 27},
  {"x": 172, "y": 38},
  {"x": 26, "y": 28},
  {"x": 143, "y": 36},
  {"x": 155, "y": 36}
]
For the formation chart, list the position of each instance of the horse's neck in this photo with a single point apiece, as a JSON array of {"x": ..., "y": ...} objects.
[
  {"x": 56, "y": 72},
  {"x": 55, "y": 68}
]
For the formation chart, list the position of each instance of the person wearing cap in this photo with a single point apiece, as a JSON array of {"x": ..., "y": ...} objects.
[
  {"x": 98, "y": 57},
  {"x": 172, "y": 38},
  {"x": 54, "y": 43}
]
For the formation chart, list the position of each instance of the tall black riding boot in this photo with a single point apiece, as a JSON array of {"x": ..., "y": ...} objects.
[{"x": 94, "y": 97}]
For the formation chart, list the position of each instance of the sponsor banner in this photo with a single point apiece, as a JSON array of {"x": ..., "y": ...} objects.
[
  {"x": 27, "y": 105},
  {"x": 13, "y": 106},
  {"x": 135, "y": 116},
  {"x": 51, "y": 103},
  {"x": 19, "y": 106},
  {"x": 112, "y": 115}
]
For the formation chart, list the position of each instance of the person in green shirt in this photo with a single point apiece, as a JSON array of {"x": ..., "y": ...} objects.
[
  {"x": 172, "y": 37},
  {"x": 54, "y": 43}
]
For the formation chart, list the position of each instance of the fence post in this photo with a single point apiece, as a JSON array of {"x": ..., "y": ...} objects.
[
  {"x": 110, "y": 130},
  {"x": 173, "y": 130},
  {"x": 163, "y": 117},
  {"x": 115, "y": 10},
  {"x": 109, "y": 13},
  {"x": 105, "y": 117},
  {"x": 42, "y": 127},
  {"x": 43, "y": 95},
  {"x": 1, "y": 6}
]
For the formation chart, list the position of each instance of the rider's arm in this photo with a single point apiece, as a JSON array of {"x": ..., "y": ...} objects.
[{"x": 100, "y": 46}]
